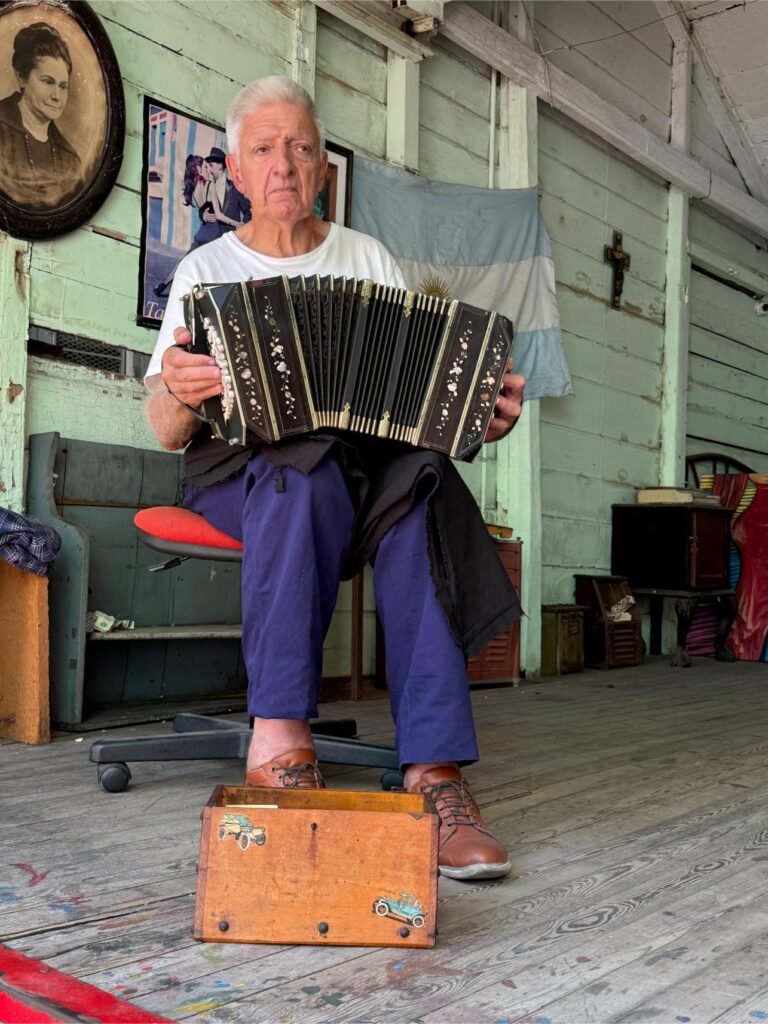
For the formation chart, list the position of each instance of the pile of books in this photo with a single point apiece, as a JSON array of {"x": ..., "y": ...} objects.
[{"x": 675, "y": 496}]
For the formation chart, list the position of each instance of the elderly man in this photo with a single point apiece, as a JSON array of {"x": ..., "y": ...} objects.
[{"x": 309, "y": 511}]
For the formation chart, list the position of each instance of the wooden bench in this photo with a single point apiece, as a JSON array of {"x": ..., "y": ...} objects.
[{"x": 89, "y": 493}]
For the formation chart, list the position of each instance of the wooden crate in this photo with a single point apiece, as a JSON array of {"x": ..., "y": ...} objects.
[
  {"x": 608, "y": 644},
  {"x": 327, "y": 867},
  {"x": 562, "y": 639}
]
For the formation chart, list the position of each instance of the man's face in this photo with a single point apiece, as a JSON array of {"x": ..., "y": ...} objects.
[
  {"x": 279, "y": 165},
  {"x": 215, "y": 169}
]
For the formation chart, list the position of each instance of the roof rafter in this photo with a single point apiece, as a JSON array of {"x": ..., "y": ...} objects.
[
  {"x": 742, "y": 153},
  {"x": 494, "y": 46}
]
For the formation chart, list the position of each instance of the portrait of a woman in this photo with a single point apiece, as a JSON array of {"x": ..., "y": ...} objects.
[{"x": 39, "y": 167}]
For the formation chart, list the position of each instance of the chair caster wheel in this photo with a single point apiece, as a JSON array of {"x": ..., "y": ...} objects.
[
  {"x": 114, "y": 778},
  {"x": 391, "y": 779}
]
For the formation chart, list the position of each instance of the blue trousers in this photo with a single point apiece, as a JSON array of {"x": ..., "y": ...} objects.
[{"x": 295, "y": 542}]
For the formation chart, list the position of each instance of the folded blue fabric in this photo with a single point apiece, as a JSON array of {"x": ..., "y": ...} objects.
[{"x": 27, "y": 543}]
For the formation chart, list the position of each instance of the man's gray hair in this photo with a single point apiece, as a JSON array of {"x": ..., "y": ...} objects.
[{"x": 270, "y": 89}]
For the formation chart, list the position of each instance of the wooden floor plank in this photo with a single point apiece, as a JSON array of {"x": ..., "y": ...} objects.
[
  {"x": 471, "y": 957},
  {"x": 633, "y": 805}
]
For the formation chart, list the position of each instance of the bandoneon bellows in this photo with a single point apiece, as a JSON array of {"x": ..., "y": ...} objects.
[{"x": 299, "y": 354}]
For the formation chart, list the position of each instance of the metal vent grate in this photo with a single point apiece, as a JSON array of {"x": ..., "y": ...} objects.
[{"x": 96, "y": 355}]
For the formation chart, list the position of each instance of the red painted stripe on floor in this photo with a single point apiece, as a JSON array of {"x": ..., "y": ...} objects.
[
  {"x": 13, "y": 1011},
  {"x": 63, "y": 994}
]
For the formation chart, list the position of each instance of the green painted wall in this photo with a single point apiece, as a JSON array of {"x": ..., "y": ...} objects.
[
  {"x": 603, "y": 440},
  {"x": 727, "y": 401}
]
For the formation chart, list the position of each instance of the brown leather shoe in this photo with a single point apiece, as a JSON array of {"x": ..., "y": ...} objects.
[
  {"x": 467, "y": 850},
  {"x": 295, "y": 769}
]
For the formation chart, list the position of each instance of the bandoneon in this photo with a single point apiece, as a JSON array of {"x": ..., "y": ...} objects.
[{"x": 299, "y": 354}]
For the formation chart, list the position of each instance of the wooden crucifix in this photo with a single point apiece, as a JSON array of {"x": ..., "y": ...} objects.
[{"x": 615, "y": 254}]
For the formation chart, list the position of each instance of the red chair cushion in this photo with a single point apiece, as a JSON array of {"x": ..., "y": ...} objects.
[{"x": 183, "y": 527}]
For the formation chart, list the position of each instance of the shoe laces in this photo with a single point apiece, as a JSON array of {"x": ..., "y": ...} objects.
[
  {"x": 299, "y": 776},
  {"x": 454, "y": 804}
]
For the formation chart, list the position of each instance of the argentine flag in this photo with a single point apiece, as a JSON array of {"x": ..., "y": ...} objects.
[{"x": 488, "y": 247}]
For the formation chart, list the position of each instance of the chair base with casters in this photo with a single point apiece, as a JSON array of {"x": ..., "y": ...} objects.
[{"x": 183, "y": 534}]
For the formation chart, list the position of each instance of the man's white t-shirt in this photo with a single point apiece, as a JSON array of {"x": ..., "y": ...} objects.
[{"x": 343, "y": 253}]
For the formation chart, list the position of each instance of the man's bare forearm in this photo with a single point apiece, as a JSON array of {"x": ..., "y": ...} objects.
[{"x": 172, "y": 424}]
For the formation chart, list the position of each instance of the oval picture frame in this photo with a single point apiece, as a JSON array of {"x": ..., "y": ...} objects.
[{"x": 51, "y": 185}]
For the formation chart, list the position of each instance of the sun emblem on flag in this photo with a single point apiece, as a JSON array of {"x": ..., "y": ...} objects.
[{"x": 434, "y": 285}]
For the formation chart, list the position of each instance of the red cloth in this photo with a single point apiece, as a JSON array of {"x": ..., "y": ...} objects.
[
  {"x": 730, "y": 487},
  {"x": 184, "y": 527},
  {"x": 747, "y": 636}
]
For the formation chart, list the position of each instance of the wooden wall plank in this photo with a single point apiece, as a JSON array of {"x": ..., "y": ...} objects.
[
  {"x": 454, "y": 122},
  {"x": 14, "y": 317},
  {"x": 350, "y": 86},
  {"x": 592, "y": 158},
  {"x": 575, "y": 228},
  {"x": 728, "y": 367},
  {"x": 729, "y": 242},
  {"x": 722, "y": 310},
  {"x": 743, "y": 360},
  {"x": 459, "y": 76},
  {"x": 732, "y": 382},
  {"x": 441, "y": 160},
  {"x": 86, "y": 404},
  {"x": 352, "y": 60},
  {"x": 600, "y": 443}
]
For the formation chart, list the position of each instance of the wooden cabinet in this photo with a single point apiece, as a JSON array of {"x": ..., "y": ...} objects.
[
  {"x": 500, "y": 660},
  {"x": 671, "y": 547}
]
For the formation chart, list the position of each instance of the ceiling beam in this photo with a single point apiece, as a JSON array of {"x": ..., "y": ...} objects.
[
  {"x": 677, "y": 28},
  {"x": 489, "y": 43},
  {"x": 420, "y": 8},
  {"x": 717, "y": 105},
  {"x": 377, "y": 21},
  {"x": 733, "y": 134}
]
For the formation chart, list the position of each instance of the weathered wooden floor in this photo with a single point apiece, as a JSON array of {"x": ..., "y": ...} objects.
[{"x": 634, "y": 803}]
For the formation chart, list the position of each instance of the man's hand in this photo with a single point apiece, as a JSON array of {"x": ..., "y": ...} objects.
[
  {"x": 190, "y": 377},
  {"x": 508, "y": 406}
]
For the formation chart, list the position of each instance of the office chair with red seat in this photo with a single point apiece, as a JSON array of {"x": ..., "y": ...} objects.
[{"x": 183, "y": 534}]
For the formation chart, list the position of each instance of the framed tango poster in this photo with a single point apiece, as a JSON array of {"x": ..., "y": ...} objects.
[
  {"x": 62, "y": 116},
  {"x": 184, "y": 185}
]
